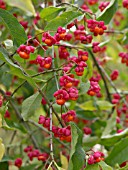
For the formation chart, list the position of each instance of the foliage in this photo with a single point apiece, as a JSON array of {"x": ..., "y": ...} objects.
[{"x": 63, "y": 85}]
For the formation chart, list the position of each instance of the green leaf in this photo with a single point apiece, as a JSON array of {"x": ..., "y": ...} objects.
[
  {"x": 77, "y": 154},
  {"x": 107, "y": 14},
  {"x": 104, "y": 105},
  {"x": 26, "y": 6},
  {"x": 4, "y": 165},
  {"x": 104, "y": 166},
  {"x": 90, "y": 141},
  {"x": 92, "y": 167},
  {"x": 28, "y": 167},
  {"x": 84, "y": 87},
  {"x": 30, "y": 104},
  {"x": 50, "y": 13},
  {"x": 62, "y": 20},
  {"x": 118, "y": 153},
  {"x": 110, "y": 140},
  {"x": 87, "y": 106},
  {"x": 17, "y": 70},
  {"x": 111, "y": 123},
  {"x": 16, "y": 30},
  {"x": 85, "y": 114}
]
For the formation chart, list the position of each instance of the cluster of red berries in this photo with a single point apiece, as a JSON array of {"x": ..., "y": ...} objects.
[
  {"x": 95, "y": 47},
  {"x": 125, "y": 4},
  {"x": 61, "y": 133},
  {"x": 67, "y": 81},
  {"x": 103, "y": 5},
  {"x": 95, "y": 157},
  {"x": 62, "y": 35},
  {"x": 48, "y": 39},
  {"x": 2, "y": 4},
  {"x": 64, "y": 134},
  {"x": 94, "y": 88},
  {"x": 96, "y": 77},
  {"x": 35, "y": 153},
  {"x": 82, "y": 36},
  {"x": 63, "y": 53},
  {"x": 124, "y": 58},
  {"x": 79, "y": 61},
  {"x": 97, "y": 27},
  {"x": 114, "y": 75},
  {"x": 69, "y": 116},
  {"x": 62, "y": 95},
  {"x": 45, "y": 121},
  {"x": 25, "y": 50},
  {"x": 116, "y": 98},
  {"x": 44, "y": 62}
]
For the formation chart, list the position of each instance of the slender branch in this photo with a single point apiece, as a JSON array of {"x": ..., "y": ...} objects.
[
  {"x": 2, "y": 64},
  {"x": 115, "y": 32},
  {"x": 53, "y": 66},
  {"x": 51, "y": 138},
  {"x": 11, "y": 140}
]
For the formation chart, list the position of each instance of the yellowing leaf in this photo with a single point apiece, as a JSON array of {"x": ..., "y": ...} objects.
[
  {"x": 64, "y": 161},
  {"x": 2, "y": 149},
  {"x": 0, "y": 120},
  {"x": 26, "y": 6}
]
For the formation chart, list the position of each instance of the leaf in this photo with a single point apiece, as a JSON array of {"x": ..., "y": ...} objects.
[
  {"x": 2, "y": 149},
  {"x": 110, "y": 140},
  {"x": 90, "y": 141},
  {"x": 28, "y": 167},
  {"x": 84, "y": 87},
  {"x": 87, "y": 106},
  {"x": 92, "y": 167},
  {"x": 26, "y": 6},
  {"x": 30, "y": 104},
  {"x": 118, "y": 153},
  {"x": 104, "y": 166},
  {"x": 104, "y": 105},
  {"x": 111, "y": 123},
  {"x": 4, "y": 165},
  {"x": 85, "y": 114},
  {"x": 50, "y": 13},
  {"x": 107, "y": 14},
  {"x": 16, "y": 30},
  {"x": 62, "y": 20},
  {"x": 77, "y": 154},
  {"x": 16, "y": 69},
  {"x": 64, "y": 161}
]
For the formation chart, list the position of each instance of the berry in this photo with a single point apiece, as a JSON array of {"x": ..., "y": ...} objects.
[{"x": 18, "y": 162}]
